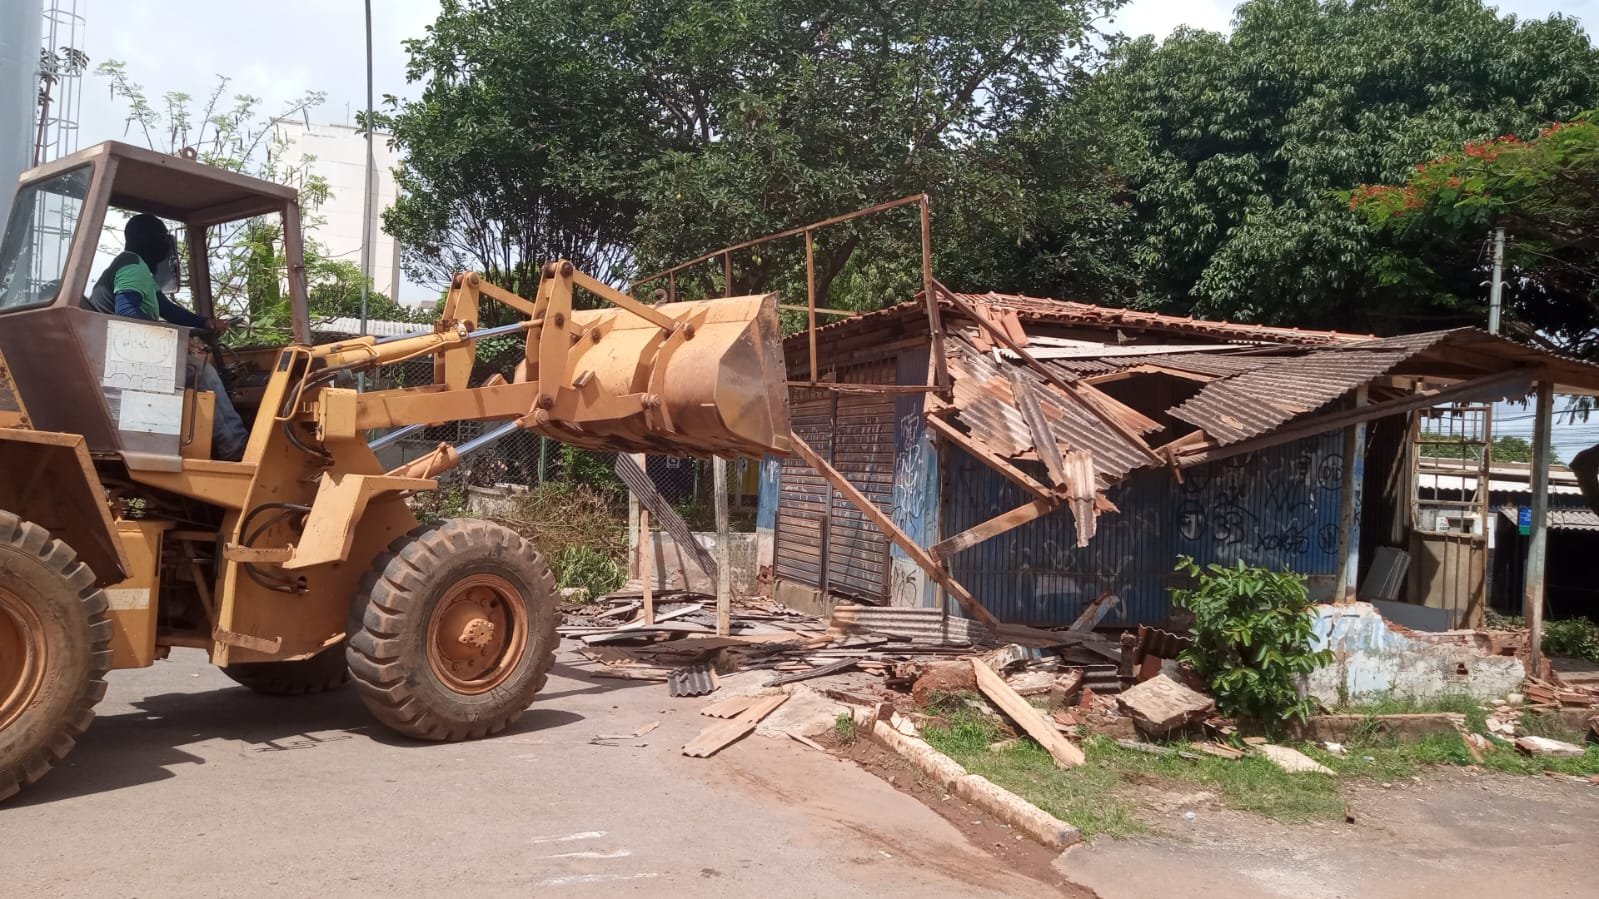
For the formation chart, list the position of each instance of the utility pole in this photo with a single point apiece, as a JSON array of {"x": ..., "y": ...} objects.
[
  {"x": 1498, "y": 281},
  {"x": 371, "y": 165}
]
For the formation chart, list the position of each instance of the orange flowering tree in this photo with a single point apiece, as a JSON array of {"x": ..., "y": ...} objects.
[{"x": 1544, "y": 190}]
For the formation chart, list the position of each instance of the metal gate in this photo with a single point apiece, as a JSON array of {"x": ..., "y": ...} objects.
[
  {"x": 821, "y": 538},
  {"x": 1451, "y": 460}
]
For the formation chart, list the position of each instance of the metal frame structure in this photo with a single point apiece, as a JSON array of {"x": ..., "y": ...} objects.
[{"x": 938, "y": 377}]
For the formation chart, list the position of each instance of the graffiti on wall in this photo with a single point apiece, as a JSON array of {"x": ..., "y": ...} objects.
[
  {"x": 1276, "y": 507},
  {"x": 1266, "y": 507}
]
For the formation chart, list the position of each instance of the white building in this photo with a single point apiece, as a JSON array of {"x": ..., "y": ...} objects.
[{"x": 338, "y": 154}]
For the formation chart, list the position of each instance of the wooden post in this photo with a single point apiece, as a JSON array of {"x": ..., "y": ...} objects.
[
  {"x": 810, "y": 298},
  {"x": 1348, "y": 540},
  {"x": 646, "y": 564},
  {"x": 1538, "y": 545},
  {"x": 724, "y": 550},
  {"x": 633, "y": 543}
]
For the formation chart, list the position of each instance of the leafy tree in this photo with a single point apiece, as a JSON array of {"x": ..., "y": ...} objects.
[
  {"x": 629, "y": 136},
  {"x": 1544, "y": 191},
  {"x": 1506, "y": 448},
  {"x": 248, "y": 266},
  {"x": 1245, "y": 140}
]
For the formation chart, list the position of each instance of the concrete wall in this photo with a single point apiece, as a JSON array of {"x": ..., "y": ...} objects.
[{"x": 1373, "y": 658}]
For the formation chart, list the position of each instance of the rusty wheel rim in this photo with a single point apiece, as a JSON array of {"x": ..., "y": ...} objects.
[
  {"x": 477, "y": 633},
  {"x": 22, "y": 653}
]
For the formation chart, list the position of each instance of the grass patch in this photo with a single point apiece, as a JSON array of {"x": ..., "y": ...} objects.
[
  {"x": 1388, "y": 704},
  {"x": 844, "y": 728},
  {"x": 1101, "y": 796}
]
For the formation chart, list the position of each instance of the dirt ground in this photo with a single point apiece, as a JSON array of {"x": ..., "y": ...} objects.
[
  {"x": 1456, "y": 834},
  {"x": 187, "y": 785}
]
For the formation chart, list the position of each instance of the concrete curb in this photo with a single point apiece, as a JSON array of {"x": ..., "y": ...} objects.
[{"x": 974, "y": 788}]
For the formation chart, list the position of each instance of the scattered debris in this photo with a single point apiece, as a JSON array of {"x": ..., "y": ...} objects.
[
  {"x": 616, "y": 739},
  {"x": 1160, "y": 705},
  {"x": 713, "y": 738},
  {"x": 1220, "y": 751},
  {"x": 731, "y": 707},
  {"x": 993, "y": 686},
  {"x": 1032, "y": 682},
  {"x": 831, "y": 668},
  {"x": 1292, "y": 760},
  {"x": 692, "y": 680},
  {"x": 1337, "y": 748},
  {"x": 1543, "y": 746}
]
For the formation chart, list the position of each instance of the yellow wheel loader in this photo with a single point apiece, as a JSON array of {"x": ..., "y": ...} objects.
[{"x": 302, "y": 565}]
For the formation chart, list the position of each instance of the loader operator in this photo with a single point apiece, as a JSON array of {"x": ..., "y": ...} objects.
[{"x": 128, "y": 287}]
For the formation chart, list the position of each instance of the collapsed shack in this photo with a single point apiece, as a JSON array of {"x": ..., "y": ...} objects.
[{"x": 1077, "y": 450}]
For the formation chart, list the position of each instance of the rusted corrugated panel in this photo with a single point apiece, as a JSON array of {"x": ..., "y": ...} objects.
[
  {"x": 988, "y": 409},
  {"x": 863, "y": 452},
  {"x": 803, "y": 495},
  {"x": 1255, "y": 402}
]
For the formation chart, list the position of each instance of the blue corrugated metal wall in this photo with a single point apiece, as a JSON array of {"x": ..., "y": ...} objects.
[
  {"x": 915, "y": 508},
  {"x": 1278, "y": 508}
]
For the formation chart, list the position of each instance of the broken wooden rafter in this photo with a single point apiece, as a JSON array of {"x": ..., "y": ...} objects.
[
  {"x": 1029, "y": 719},
  {"x": 933, "y": 567},
  {"x": 988, "y": 456},
  {"x": 1087, "y": 395},
  {"x": 993, "y": 527}
]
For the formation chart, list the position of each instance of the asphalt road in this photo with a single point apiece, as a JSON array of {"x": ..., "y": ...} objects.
[{"x": 187, "y": 785}]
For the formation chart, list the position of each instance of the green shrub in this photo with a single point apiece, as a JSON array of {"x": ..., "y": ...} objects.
[
  {"x": 1252, "y": 638},
  {"x": 1571, "y": 638},
  {"x": 586, "y": 567}
]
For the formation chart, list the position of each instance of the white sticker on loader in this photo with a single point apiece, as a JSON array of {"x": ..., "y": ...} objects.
[
  {"x": 128, "y": 599},
  {"x": 152, "y": 413},
  {"x": 140, "y": 356}
]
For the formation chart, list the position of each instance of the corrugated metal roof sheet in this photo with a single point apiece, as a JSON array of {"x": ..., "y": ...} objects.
[
  {"x": 983, "y": 394},
  {"x": 1254, "y": 402},
  {"x": 1563, "y": 519},
  {"x": 1573, "y": 520},
  {"x": 1071, "y": 312},
  {"x": 374, "y": 327}
]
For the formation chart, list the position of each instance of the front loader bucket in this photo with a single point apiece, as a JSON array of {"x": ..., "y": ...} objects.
[{"x": 722, "y": 391}]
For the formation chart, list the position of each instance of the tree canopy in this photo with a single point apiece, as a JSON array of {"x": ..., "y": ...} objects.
[
  {"x": 1545, "y": 193},
  {"x": 1207, "y": 174},
  {"x": 1246, "y": 141},
  {"x": 628, "y": 136}
]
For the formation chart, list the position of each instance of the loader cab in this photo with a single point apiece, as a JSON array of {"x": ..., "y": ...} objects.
[{"x": 119, "y": 382}]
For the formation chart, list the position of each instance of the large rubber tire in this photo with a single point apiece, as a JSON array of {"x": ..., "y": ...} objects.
[
  {"x": 55, "y": 649},
  {"x": 322, "y": 672},
  {"x": 432, "y": 584}
]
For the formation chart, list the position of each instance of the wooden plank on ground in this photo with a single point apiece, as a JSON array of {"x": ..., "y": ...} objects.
[
  {"x": 731, "y": 707},
  {"x": 712, "y": 739},
  {"x": 1066, "y": 754}
]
